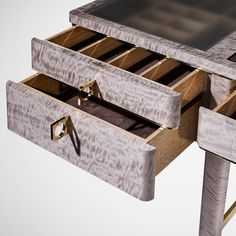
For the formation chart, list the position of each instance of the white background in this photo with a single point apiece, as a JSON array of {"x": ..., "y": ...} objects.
[{"x": 42, "y": 195}]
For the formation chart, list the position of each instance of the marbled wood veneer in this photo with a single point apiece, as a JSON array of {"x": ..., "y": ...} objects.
[
  {"x": 134, "y": 93},
  {"x": 220, "y": 88},
  {"x": 215, "y": 185},
  {"x": 103, "y": 150},
  {"x": 216, "y": 171},
  {"x": 213, "y": 60},
  {"x": 217, "y": 134}
]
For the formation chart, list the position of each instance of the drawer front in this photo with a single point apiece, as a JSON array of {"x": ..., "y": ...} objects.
[
  {"x": 94, "y": 145},
  {"x": 144, "y": 97},
  {"x": 216, "y": 131}
]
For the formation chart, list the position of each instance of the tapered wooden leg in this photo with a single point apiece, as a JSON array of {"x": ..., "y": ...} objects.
[{"x": 216, "y": 174}]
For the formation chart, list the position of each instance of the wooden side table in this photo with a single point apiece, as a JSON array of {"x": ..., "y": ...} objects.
[{"x": 121, "y": 101}]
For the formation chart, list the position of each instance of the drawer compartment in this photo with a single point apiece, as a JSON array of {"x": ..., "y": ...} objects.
[
  {"x": 96, "y": 146},
  {"x": 217, "y": 129},
  {"x": 109, "y": 142},
  {"x": 141, "y": 81}
]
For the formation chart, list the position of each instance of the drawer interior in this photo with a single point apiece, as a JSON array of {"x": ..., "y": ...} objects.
[
  {"x": 94, "y": 106},
  {"x": 233, "y": 116},
  {"x": 145, "y": 63},
  {"x": 228, "y": 106},
  {"x": 169, "y": 142}
]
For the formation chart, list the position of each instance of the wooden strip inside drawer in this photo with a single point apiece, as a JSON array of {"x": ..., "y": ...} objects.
[
  {"x": 190, "y": 86},
  {"x": 228, "y": 106},
  {"x": 149, "y": 68},
  {"x": 73, "y": 36},
  {"x": 169, "y": 142},
  {"x": 100, "y": 48},
  {"x": 160, "y": 69},
  {"x": 130, "y": 58},
  {"x": 117, "y": 86},
  {"x": 174, "y": 74}
]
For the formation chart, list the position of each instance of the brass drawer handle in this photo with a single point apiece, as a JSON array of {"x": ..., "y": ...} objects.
[{"x": 59, "y": 129}]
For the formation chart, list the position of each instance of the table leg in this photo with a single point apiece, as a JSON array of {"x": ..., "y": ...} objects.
[{"x": 215, "y": 183}]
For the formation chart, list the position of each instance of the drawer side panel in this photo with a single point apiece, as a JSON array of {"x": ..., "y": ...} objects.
[
  {"x": 217, "y": 134},
  {"x": 101, "y": 149}
]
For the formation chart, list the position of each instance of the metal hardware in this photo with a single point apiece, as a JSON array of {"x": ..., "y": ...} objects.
[
  {"x": 229, "y": 214},
  {"x": 88, "y": 90},
  {"x": 59, "y": 129}
]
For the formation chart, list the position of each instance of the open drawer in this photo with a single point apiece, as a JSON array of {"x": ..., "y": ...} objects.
[
  {"x": 138, "y": 80},
  {"x": 217, "y": 129},
  {"x": 111, "y": 143}
]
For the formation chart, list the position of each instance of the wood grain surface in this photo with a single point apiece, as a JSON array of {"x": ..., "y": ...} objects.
[
  {"x": 130, "y": 58},
  {"x": 101, "y": 47},
  {"x": 72, "y": 36},
  {"x": 228, "y": 106},
  {"x": 146, "y": 98},
  {"x": 171, "y": 142},
  {"x": 215, "y": 184},
  {"x": 191, "y": 86},
  {"x": 217, "y": 133},
  {"x": 104, "y": 150},
  {"x": 215, "y": 60},
  {"x": 220, "y": 88},
  {"x": 160, "y": 69}
]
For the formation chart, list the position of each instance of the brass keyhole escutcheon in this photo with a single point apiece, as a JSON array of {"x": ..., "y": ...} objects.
[{"x": 88, "y": 90}]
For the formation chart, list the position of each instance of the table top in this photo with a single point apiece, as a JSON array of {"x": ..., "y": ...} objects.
[
  {"x": 201, "y": 33},
  {"x": 196, "y": 23}
]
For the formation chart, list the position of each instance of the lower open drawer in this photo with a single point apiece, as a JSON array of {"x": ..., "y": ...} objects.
[
  {"x": 217, "y": 129},
  {"x": 111, "y": 143}
]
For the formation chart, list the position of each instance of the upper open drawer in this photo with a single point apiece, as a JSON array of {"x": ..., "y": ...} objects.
[
  {"x": 141, "y": 81},
  {"x": 217, "y": 129}
]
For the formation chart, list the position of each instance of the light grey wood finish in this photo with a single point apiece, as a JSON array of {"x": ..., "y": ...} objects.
[
  {"x": 144, "y": 97},
  {"x": 112, "y": 154},
  {"x": 217, "y": 134},
  {"x": 216, "y": 174},
  {"x": 225, "y": 48},
  {"x": 220, "y": 88},
  {"x": 216, "y": 169},
  {"x": 215, "y": 61}
]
